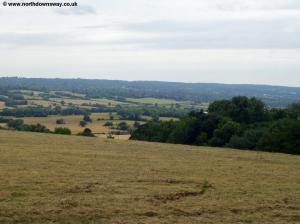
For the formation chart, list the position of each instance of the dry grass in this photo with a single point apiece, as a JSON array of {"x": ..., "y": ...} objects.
[
  {"x": 72, "y": 122},
  {"x": 168, "y": 119},
  {"x": 69, "y": 179},
  {"x": 2, "y": 105},
  {"x": 154, "y": 101}
]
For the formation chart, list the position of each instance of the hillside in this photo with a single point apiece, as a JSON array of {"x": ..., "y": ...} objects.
[
  {"x": 275, "y": 96},
  {"x": 69, "y": 179}
]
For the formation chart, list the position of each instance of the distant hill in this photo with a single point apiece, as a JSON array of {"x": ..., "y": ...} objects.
[{"x": 274, "y": 96}]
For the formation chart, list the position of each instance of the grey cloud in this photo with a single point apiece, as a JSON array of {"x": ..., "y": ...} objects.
[
  {"x": 281, "y": 33},
  {"x": 214, "y": 34}
]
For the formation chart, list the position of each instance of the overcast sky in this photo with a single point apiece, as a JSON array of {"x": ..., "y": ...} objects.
[{"x": 223, "y": 41}]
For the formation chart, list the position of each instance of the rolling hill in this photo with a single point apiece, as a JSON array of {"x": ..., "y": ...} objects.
[
  {"x": 274, "y": 96},
  {"x": 69, "y": 179}
]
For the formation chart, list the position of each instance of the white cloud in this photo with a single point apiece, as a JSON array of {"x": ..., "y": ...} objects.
[{"x": 166, "y": 39}]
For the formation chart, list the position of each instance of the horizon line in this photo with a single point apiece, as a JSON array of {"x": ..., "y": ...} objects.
[{"x": 162, "y": 81}]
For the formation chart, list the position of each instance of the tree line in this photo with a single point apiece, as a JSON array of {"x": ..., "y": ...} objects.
[{"x": 241, "y": 123}]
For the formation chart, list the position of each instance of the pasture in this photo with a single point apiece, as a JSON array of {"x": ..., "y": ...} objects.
[
  {"x": 2, "y": 105},
  {"x": 69, "y": 179},
  {"x": 153, "y": 101},
  {"x": 72, "y": 122}
]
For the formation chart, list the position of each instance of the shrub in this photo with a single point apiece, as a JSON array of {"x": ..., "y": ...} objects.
[
  {"x": 4, "y": 120},
  {"x": 15, "y": 123},
  {"x": 82, "y": 123},
  {"x": 60, "y": 121},
  {"x": 87, "y": 118},
  {"x": 123, "y": 126},
  {"x": 62, "y": 131},
  {"x": 109, "y": 124},
  {"x": 87, "y": 132}
]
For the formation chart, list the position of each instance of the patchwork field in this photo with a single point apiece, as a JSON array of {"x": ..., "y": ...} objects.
[
  {"x": 68, "y": 179},
  {"x": 80, "y": 102},
  {"x": 153, "y": 101},
  {"x": 72, "y": 122},
  {"x": 44, "y": 103}
]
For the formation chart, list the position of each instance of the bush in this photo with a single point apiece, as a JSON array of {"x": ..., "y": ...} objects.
[
  {"x": 4, "y": 120},
  {"x": 60, "y": 121},
  {"x": 87, "y": 118},
  {"x": 15, "y": 123},
  {"x": 62, "y": 131},
  {"x": 109, "y": 124},
  {"x": 82, "y": 123},
  {"x": 87, "y": 132},
  {"x": 123, "y": 126}
]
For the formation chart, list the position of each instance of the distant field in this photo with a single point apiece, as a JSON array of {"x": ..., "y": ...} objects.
[
  {"x": 152, "y": 101},
  {"x": 79, "y": 102},
  {"x": 168, "y": 118},
  {"x": 168, "y": 102},
  {"x": 67, "y": 92},
  {"x": 72, "y": 122},
  {"x": 2, "y": 105},
  {"x": 69, "y": 179}
]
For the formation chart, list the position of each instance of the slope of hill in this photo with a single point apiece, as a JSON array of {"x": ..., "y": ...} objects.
[
  {"x": 275, "y": 96},
  {"x": 69, "y": 179}
]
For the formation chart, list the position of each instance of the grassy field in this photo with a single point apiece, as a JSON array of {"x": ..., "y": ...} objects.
[
  {"x": 2, "y": 105},
  {"x": 80, "y": 102},
  {"x": 72, "y": 122},
  {"x": 69, "y": 179},
  {"x": 154, "y": 101}
]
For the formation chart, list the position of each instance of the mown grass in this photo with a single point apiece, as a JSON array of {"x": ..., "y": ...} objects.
[{"x": 68, "y": 179}]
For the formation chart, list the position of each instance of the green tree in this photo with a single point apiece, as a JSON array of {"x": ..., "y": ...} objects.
[
  {"x": 248, "y": 140},
  {"x": 283, "y": 136},
  {"x": 223, "y": 134},
  {"x": 294, "y": 110},
  {"x": 240, "y": 109}
]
